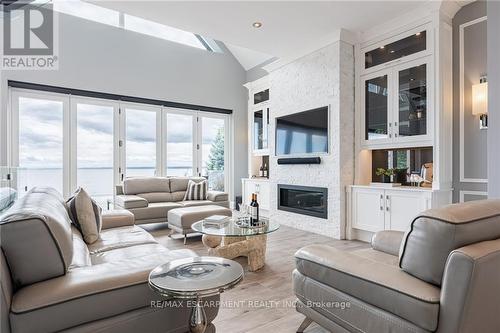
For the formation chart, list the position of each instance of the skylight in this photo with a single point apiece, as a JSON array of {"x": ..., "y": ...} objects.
[
  {"x": 114, "y": 18},
  {"x": 151, "y": 28}
]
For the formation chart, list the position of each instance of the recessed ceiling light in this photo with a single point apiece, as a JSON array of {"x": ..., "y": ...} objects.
[
  {"x": 392, "y": 51},
  {"x": 417, "y": 34},
  {"x": 382, "y": 47},
  {"x": 257, "y": 24}
]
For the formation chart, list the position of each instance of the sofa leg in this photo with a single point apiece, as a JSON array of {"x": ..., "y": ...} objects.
[
  {"x": 304, "y": 325},
  {"x": 185, "y": 238}
]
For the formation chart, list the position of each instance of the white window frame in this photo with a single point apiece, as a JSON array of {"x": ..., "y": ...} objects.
[
  {"x": 74, "y": 101},
  {"x": 119, "y": 127},
  {"x": 14, "y": 125},
  {"x": 123, "y": 106}
]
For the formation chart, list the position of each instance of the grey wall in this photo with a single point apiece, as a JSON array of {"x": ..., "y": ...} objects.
[
  {"x": 102, "y": 58},
  {"x": 475, "y": 63},
  {"x": 494, "y": 99}
]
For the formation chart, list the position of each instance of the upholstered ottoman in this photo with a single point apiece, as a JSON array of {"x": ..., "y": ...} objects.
[{"x": 181, "y": 219}]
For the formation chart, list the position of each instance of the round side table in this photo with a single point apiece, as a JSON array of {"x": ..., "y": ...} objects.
[{"x": 195, "y": 278}]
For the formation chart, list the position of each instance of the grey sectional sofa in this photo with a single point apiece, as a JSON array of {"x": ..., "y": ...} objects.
[
  {"x": 442, "y": 276},
  {"x": 150, "y": 198},
  {"x": 51, "y": 280}
]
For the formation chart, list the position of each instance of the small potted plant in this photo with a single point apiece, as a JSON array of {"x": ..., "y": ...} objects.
[{"x": 384, "y": 174}]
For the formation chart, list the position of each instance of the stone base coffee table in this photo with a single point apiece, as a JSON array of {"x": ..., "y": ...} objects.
[
  {"x": 195, "y": 278},
  {"x": 231, "y": 240}
]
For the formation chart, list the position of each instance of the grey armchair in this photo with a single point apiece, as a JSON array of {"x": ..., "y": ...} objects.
[{"x": 442, "y": 275}]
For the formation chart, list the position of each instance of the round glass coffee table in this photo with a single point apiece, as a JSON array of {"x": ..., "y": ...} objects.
[
  {"x": 234, "y": 239},
  {"x": 195, "y": 278}
]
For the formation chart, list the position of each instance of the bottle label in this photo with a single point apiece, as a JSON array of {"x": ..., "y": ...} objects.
[{"x": 255, "y": 213}]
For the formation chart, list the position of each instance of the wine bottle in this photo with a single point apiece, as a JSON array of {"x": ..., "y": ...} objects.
[
  {"x": 266, "y": 171},
  {"x": 261, "y": 171},
  {"x": 254, "y": 209}
]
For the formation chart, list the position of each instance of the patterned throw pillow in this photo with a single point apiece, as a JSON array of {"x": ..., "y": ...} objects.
[
  {"x": 85, "y": 214},
  {"x": 196, "y": 191}
]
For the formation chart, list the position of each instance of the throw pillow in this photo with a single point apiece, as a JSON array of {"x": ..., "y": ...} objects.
[
  {"x": 196, "y": 191},
  {"x": 85, "y": 214}
]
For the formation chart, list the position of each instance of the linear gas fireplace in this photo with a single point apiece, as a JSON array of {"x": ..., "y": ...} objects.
[{"x": 306, "y": 200}]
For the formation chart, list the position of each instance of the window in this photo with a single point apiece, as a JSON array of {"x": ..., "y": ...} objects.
[
  {"x": 114, "y": 18},
  {"x": 88, "y": 11},
  {"x": 66, "y": 142},
  {"x": 40, "y": 142},
  {"x": 151, "y": 28}
]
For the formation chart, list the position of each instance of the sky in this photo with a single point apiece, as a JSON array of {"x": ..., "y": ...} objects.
[{"x": 41, "y": 136}]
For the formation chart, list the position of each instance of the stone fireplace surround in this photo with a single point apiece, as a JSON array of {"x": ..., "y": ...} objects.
[{"x": 324, "y": 77}]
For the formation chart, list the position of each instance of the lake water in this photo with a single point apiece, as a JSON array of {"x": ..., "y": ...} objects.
[{"x": 98, "y": 181}]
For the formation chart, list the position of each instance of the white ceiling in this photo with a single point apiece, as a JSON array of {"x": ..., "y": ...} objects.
[
  {"x": 246, "y": 57},
  {"x": 287, "y": 25}
]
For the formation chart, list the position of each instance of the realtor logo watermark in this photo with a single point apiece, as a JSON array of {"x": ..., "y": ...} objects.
[{"x": 30, "y": 40}]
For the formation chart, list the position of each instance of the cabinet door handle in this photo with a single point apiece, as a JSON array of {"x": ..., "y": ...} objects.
[
  {"x": 387, "y": 200},
  {"x": 381, "y": 202},
  {"x": 390, "y": 135},
  {"x": 395, "y": 135}
]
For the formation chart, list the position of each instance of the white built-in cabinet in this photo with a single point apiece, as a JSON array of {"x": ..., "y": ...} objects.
[
  {"x": 374, "y": 209},
  {"x": 395, "y": 86},
  {"x": 403, "y": 89},
  {"x": 258, "y": 145},
  {"x": 261, "y": 188}
]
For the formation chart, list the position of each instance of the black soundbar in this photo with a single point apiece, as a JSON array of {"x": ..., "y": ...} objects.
[{"x": 300, "y": 160}]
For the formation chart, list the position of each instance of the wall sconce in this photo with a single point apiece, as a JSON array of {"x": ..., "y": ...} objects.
[{"x": 480, "y": 102}]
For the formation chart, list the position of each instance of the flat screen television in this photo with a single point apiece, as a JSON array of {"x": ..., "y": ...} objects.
[{"x": 302, "y": 133}]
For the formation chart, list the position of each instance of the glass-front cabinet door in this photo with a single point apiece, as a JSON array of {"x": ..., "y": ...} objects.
[
  {"x": 376, "y": 108},
  {"x": 396, "y": 105},
  {"x": 412, "y": 102},
  {"x": 260, "y": 129}
]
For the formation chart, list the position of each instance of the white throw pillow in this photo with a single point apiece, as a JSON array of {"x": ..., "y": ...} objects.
[
  {"x": 85, "y": 214},
  {"x": 196, "y": 191}
]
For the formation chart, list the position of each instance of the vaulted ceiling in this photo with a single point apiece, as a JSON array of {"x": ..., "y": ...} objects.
[{"x": 286, "y": 25}]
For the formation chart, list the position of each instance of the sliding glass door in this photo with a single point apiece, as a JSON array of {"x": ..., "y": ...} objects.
[
  {"x": 68, "y": 142},
  {"x": 180, "y": 145},
  {"x": 140, "y": 147},
  {"x": 39, "y": 140},
  {"x": 212, "y": 151},
  {"x": 94, "y": 147}
]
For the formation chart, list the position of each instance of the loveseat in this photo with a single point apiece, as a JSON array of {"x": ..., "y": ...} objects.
[
  {"x": 51, "y": 280},
  {"x": 150, "y": 198},
  {"x": 442, "y": 275}
]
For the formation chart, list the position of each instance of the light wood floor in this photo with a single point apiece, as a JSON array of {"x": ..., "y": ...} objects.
[{"x": 272, "y": 284}]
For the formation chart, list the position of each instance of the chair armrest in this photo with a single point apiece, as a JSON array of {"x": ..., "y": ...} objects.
[
  {"x": 130, "y": 201},
  {"x": 217, "y": 196},
  {"x": 387, "y": 241},
  {"x": 470, "y": 291},
  {"x": 117, "y": 218}
]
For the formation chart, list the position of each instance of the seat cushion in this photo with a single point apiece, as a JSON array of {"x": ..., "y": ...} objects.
[
  {"x": 435, "y": 233},
  {"x": 192, "y": 203},
  {"x": 36, "y": 237},
  {"x": 117, "y": 238},
  {"x": 340, "y": 312},
  {"x": 156, "y": 196},
  {"x": 184, "y": 217},
  {"x": 154, "y": 210},
  {"x": 91, "y": 293},
  {"x": 374, "y": 279}
]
